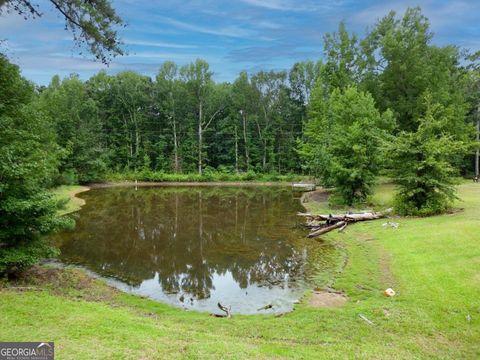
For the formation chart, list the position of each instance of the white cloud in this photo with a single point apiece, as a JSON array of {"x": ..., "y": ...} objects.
[
  {"x": 295, "y": 5},
  {"x": 273, "y": 4},
  {"x": 158, "y": 44},
  {"x": 162, "y": 55},
  {"x": 229, "y": 31}
]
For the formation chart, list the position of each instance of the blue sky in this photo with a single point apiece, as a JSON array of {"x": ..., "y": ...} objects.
[{"x": 230, "y": 35}]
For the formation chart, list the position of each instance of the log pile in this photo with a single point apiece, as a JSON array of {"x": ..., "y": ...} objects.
[{"x": 322, "y": 224}]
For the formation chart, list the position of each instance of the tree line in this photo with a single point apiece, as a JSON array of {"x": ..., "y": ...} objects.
[
  {"x": 389, "y": 103},
  {"x": 181, "y": 121}
]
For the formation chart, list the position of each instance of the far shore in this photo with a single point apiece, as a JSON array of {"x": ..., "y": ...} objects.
[{"x": 188, "y": 183}]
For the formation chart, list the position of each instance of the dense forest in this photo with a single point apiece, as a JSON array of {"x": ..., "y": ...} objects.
[
  {"x": 388, "y": 103},
  {"x": 182, "y": 121}
]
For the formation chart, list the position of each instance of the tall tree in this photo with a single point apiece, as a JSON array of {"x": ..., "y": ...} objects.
[
  {"x": 29, "y": 160},
  {"x": 268, "y": 85},
  {"x": 404, "y": 66},
  {"x": 167, "y": 82},
  {"x": 342, "y": 66},
  {"x": 243, "y": 98},
  {"x": 131, "y": 109},
  {"x": 199, "y": 80},
  {"x": 76, "y": 119}
]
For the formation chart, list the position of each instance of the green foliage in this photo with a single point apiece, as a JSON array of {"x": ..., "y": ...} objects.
[
  {"x": 28, "y": 163},
  {"x": 209, "y": 175},
  {"x": 423, "y": 162},
  {"x": 78, "y": 129},
  {"x": 344, "y": 139},
  {"x": 402, "y": 65},
  {"x": 179, "y": 122}
]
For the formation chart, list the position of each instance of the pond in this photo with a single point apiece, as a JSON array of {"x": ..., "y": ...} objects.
[{"x": 193, "y": 247}]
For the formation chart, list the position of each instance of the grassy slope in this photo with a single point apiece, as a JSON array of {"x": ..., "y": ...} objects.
[
  {"x": 67, "y": 193},
  {"x": 432, "y": 263}
]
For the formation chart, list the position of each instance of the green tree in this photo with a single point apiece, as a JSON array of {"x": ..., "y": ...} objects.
[
  {"x": 29, "y": 160},
  {"x": 129, "y": 108},
  {"x": 244, "y": 97},
  {"x": 198, "y": 78},
  {"x": 168, "y": 97},
  {"x": 342, "y": 60},
  {"x": 344, "y": 139},
  {"x": 75, "y": 116},
  {"x": 424, "y": 162},
  {"x": 403, "y": 65},
  {"x": 268, "y": 86}
]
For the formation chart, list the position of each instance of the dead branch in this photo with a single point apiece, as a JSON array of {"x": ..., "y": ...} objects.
[
  {"x": 343, "y": 227},
  {"x": 266, "y": 307},
  {"x": 227, "y": 311},
  {"x": 363, "y": 317},
  {"x": 326, "y": 229}
]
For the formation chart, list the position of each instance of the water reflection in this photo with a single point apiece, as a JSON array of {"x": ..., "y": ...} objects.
[{"x": 193, "y": 247}]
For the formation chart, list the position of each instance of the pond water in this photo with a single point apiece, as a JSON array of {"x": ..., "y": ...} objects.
[{"x": 193, "y": 247}]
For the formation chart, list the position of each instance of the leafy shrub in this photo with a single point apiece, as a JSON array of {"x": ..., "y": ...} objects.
[{"x": 423, "y": 162}]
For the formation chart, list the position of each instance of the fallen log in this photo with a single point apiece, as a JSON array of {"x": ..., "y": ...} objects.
[
  {"x": 326, "y": 229},
  {"x": 338, "y": 221}
]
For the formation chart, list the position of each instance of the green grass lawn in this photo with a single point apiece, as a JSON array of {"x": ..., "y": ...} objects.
[
  {"x": 432, "y": 263},
  {"x": 66, "y": 193}
]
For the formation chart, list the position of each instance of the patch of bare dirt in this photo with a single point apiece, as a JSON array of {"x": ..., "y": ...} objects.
[
  {"x": 327, "y": 299},
  {"x": 387, "y": 277}
]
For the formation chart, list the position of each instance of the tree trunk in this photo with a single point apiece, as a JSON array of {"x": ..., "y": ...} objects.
[
  {"x": 137, "y": 136},
  {"x": 175, "y": 144},
  {"x": 264, "y": 157},
  {"x": 128, "y": 143},
  {"x": 200, "y": 135},
  {"x": 236, "y": 150},
  {"x": 477, "y": 152},
  {"x": 175, "y": 139},
  {"x": 244, "y": 118}
]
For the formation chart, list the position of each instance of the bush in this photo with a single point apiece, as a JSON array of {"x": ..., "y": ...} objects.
[
  {"x": 423, "y": 163},
  {"x": 14, "y": 260},
  {"x": 344, "y": 138}
]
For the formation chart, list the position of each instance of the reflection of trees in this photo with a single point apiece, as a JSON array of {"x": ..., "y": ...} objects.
[{"x": 187, "y": 235}]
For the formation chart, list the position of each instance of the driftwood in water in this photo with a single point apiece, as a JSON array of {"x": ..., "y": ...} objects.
[{"x": 332, "y": 222}]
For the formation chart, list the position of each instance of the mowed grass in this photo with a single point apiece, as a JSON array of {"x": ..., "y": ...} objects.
[{"x": 432, "y": 263}]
